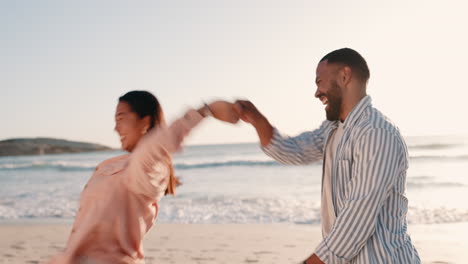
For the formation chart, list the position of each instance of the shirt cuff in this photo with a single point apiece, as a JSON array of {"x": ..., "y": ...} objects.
[
  {"x": 327, "y": 256},
  {"x": 192, "y": 117},
  {"x": 272, "y": 147}
]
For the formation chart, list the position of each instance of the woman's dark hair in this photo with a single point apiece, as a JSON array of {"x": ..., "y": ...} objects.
[{"x": 144, "y": 103}]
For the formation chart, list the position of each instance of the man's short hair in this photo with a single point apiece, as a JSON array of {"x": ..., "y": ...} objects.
[{"x": 352, "y": 59}]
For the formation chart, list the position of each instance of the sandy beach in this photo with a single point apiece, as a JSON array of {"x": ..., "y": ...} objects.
[{"x": 224, "y": 243}]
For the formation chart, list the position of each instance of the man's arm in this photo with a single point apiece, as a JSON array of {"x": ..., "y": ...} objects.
[
  {"x": 313, "y": 260},
  {"x": 250, "y": 114},
  {"x": 377, "y": 163},
  {"x": 302, "y": 149}
]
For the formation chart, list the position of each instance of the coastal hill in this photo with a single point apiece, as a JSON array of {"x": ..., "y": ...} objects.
[{"x": 40, "y": 146}]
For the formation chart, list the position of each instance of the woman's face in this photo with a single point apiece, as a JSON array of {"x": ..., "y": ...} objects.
[{"x": 129, "y": 126}]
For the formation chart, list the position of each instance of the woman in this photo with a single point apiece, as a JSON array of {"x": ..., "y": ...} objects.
[{"x": 119, "y": 204}]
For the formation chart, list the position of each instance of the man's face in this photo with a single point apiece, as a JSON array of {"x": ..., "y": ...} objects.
[{"x": 328, "y": 90}]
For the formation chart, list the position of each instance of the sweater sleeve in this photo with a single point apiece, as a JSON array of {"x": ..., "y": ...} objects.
[{"x": 148, "y": 167}]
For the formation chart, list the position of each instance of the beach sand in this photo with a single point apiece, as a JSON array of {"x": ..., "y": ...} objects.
[{"x": 224, "y": 243}]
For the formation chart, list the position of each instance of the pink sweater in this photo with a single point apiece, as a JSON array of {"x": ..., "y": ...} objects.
[{"x": 119, "y": 204}]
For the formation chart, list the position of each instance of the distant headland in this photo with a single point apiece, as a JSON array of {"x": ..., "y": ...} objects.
[{"x": 41, "y": 146}]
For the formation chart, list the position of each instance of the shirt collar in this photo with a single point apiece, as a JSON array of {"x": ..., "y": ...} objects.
[{"x": 357, "y": 111}]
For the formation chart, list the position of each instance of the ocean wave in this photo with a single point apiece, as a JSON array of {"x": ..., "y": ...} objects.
[
  {"x": 230, "y": 163},
  {"x": 214, "y": 210},
  {"x": 439, "y": 215},
  {"x": 67, "y": 166},
  {"x": 415, "y": 184},
  {"x": 425, "y": 181},
  {"x": 75, "y": 166},
  {"x": 58, "y": 165},
  {"x": 434, "y": 146},
  {"x": 439, "y": 158},
  {"x": 220, "y": 210},
  {"x": 64, "y": 166}
]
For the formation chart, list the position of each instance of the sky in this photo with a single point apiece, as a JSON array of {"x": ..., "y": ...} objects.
[{"x": 65, "y": 63}]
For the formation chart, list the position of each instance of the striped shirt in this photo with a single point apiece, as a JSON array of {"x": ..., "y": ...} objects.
[{"x": 368, "y": 178}]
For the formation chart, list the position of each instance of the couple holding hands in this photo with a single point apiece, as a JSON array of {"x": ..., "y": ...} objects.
[{"x": 363, "y": 183}]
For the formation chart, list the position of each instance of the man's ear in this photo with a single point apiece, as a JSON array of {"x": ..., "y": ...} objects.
[{"x": 345, "y": 76}]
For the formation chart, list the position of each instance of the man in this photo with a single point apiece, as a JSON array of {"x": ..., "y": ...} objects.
[{"x": 365, "y": 161}]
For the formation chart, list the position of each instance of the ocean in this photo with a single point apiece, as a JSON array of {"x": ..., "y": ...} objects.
[{"x": 236, "y": 183}]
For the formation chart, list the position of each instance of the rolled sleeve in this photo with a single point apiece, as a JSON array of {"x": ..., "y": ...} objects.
[
  {"x": 302, "y": 149},
  {"x": 326, "y": 255}
]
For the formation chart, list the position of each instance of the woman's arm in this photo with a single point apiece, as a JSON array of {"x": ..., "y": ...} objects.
[{"x": 149, "y": 162}]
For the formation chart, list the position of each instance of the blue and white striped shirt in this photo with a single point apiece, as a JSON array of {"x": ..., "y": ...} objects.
[{"x": 368, "y": 180}]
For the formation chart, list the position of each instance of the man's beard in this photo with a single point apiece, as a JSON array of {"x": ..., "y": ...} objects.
[{"x": 334, "y": 102}]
